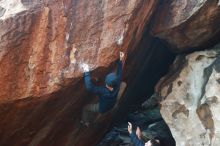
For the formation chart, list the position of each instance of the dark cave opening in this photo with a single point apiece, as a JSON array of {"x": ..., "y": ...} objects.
[{"x": 151, "y": 62}]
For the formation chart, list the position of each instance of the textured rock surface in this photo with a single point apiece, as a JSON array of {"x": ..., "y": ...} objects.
[
  {"x": 54, "y": 40},
  {"x": 187, "y": 23},
  {"x": 42, "y": 46},
  {"x": 191, "y": 106}
]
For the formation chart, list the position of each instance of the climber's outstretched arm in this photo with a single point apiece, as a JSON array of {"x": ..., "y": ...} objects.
[
  {"x": 89, "y": 85},
  {"x": 87, "y": 79}
]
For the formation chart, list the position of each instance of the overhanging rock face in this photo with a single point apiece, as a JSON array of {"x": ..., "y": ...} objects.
[
  {"x": 186, "y": 24},
  {"x": 41, "y": 49},
  {"x": 43, "y": 44},
  {"x": 191, "y": 98}
]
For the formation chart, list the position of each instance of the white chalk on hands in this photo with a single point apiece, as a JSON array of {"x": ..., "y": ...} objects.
[
  {"x": 120, "y": 40},
  {"x": 85, "y": 67}
]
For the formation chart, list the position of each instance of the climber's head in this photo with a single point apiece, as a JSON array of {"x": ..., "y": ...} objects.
[
  {"x": 111, "y": 80},
  {"x": 152, "y": 142}
]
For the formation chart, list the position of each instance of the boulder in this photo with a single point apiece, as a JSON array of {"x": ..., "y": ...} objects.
[
  {"x": 190, "y": 103},
  {"x": 43, "y": 44},
  {"x": 187, "y": 24}
]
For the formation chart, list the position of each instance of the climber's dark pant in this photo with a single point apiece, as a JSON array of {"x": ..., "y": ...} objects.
[{"x": 90, "y": 109}]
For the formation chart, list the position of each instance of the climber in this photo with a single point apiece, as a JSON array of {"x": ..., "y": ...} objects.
[
  {"x": 136, "y": 138},
  {"x": 108, "y": 94}
]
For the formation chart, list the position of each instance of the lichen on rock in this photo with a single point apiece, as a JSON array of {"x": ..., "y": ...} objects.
[{"x": 191, "y": 108}]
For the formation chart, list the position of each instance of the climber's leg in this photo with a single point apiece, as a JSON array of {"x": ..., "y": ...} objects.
[{"x": 88, "y": 111}]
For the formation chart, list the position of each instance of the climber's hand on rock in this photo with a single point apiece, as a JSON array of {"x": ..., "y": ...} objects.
[
  {"x": 85, "y": 67},
  {"x": 129, "y": 127},
  {"x": 122, "y": 55},
  {"x": 120, "y": 41}
]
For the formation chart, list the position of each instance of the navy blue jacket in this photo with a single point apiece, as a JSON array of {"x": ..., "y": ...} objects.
[
  {"x": 107, "y": 98},
  {"x": 136, "y": 140}
]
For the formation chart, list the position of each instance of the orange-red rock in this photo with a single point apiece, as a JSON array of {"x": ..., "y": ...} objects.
[
  {"x": 187, "y": 24},
  {"x": 42, "y": 46}
]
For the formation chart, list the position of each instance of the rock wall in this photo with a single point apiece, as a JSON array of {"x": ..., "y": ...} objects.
[
  {"x": 42, "y": 46},
  {"x": 43, "y": 43},
  {"x": 190, "y": 104},
  {"x": 187, "y": 24},
  {"x": 189, "y": 92}
]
